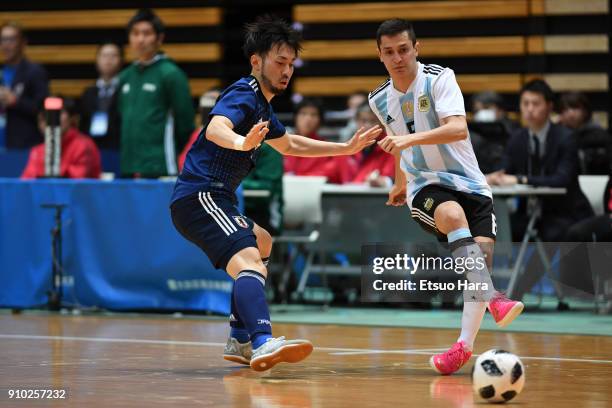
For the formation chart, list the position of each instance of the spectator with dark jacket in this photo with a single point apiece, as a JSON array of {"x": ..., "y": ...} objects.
[
  {"x": 542, "y": 154},
  {"x": 99, "y": 116},
  {"x": 594, "y": 143},
  {"x": 490, "y": 129},
  {"x": 23, "y": 88},
  {"x": 80, "y": 157}
]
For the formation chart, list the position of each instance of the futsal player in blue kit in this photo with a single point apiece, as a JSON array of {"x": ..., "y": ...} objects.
[{"x": 203, "y": 203}]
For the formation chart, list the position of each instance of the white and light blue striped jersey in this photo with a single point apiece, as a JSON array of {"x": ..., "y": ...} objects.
[{"x": 432, "y": 96}]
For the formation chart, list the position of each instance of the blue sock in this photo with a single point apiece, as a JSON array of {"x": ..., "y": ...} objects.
[
  {"x": 237, "y": 329},
  {"x": 250, "y": 298}
]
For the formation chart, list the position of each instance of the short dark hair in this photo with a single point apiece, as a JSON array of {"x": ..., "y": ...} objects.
[
  {"x": 149, "y": 16},
  {"x": 70, "y": 106},
  {"x": 539, "y": 86},
  {"x": 17, "y": 26},
  {"x": 267, "y": 32},
  {"x": 576, "y": 100},
  {"x": 105, "y": 43},
  {"x": 393, "y": 27},
  {"x": 488, "y": 98},
  {"x": 311, "y": 103}
]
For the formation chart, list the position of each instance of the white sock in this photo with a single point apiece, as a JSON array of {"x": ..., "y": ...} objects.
[{"x": 473, "y": 313}]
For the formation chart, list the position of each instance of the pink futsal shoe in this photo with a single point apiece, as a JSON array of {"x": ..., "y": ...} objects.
[
  {"x": 504, "y": 310},
  {"x": 451, "y": 360}
]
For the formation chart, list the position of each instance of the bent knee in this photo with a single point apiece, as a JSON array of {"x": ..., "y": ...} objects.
[{"x": 450, "y": 216}]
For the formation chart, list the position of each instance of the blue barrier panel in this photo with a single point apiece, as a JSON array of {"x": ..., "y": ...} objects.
[{"x": 120, "y": 250}]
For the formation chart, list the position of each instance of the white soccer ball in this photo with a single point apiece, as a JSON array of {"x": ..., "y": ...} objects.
[{"x": 498, "y": 376}]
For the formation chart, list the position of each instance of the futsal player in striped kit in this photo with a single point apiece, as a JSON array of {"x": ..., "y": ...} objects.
[
  {"x": 203, "y": 203},
  {"x": 437, "y": 174}
]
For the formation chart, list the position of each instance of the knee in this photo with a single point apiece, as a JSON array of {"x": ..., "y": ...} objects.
[{"x": 450, "y": 217}]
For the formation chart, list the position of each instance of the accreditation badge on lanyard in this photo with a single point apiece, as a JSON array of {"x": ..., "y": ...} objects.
[{"x": 99, "y": 124}]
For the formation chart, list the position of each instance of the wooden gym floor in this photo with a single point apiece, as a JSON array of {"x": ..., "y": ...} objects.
[{"x": 143, "y": 361}]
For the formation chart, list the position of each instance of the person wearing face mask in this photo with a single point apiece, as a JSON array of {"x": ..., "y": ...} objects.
[
  {"x": 490, "y": 129},
  {"x": 154, "y": 102},
  {"x": 80, "y": 157}
]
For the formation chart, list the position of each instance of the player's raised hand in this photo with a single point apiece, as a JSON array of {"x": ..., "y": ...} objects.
[
  {"x": 397, "y": 195},
  {"x": 255, "y": 136},
  {"x": 363, "y": 138},
  {"x": 394, "y": 144}
]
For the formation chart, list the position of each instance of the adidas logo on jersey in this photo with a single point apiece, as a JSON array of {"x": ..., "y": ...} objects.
[{"x": 389, "y": 119}]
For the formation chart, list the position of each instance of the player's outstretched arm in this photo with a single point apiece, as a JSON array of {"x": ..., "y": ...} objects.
[
  {"x": 220, "y": 132},
  {"x": 296, "y": 145},
  {"x": 452, "y": 129}
]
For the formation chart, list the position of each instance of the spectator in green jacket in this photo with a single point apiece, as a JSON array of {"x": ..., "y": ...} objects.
[{"x": 155, "y": 104}]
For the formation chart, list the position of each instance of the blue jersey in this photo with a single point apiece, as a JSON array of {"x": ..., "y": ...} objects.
[{"x": 210, "y": 167}]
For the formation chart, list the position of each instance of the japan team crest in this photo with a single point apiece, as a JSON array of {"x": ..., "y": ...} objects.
[{"x": 240, "y": 221}]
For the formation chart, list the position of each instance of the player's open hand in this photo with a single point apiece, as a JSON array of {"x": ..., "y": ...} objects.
[
  {"x": 363, "y": 138},
  {"x": 394, "y": 144},
  {"x": 397, "y": 195},
  {"x": 255, "y": 136}
]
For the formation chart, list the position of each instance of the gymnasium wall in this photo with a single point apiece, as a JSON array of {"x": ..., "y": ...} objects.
[{"x": 491, "y": 44}]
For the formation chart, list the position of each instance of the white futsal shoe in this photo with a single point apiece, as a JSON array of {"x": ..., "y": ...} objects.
[
  {"x": 237, "y": 352},
  {"x": 278, "y": 350}
]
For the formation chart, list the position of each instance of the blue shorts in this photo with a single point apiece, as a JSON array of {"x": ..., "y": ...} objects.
[{"x": 212, "y": 222}]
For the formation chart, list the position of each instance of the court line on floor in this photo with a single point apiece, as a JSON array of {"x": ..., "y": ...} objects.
[{"x": 331, "y": 350}]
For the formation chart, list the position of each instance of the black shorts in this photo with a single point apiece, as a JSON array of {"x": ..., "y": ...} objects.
[
  {"x": 212, "y": 222},
  {"x": 478, "y": 210}
]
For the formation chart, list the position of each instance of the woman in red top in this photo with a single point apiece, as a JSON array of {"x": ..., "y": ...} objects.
[
  {"x": 338, "y": 169},
  {"x": 80, "y": 155},
  {"x": 376, "y": 167}
]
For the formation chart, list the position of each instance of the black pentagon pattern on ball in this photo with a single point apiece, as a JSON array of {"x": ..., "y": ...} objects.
[
  {"x": 491, "y": 368},
  {"x": 508, "y": 395},
  {"x": 487, "y": 392},
  {"x": 517, "y": 372},
  {"x": 501, "y": 352}
]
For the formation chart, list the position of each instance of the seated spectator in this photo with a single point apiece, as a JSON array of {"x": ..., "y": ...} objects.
[
  {"x": 594, "y": 143},
  {"x": 207, "y": 101},
  {"x": 99, "y": 117},
  {"x": 543, "y": 154},
  {"x": 354, "y": 101},
  {"x": 338, "y": 169},
  {"x": 23, "y": 87},
  {"x": 376, "y": 167},
  {"x": 490, "y": 129},
  {"x": 80, "y": 157}
]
